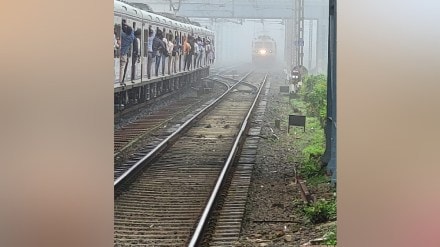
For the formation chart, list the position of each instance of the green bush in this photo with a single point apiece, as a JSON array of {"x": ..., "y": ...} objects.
[
  {"x": 309, "y": 169},
  {"x": 331, "y": 238},
  {"x": 312, "y": 144},
  {"x": 313, "y": 152},
  {"x": 314, "y": 93},
  {"x": 320, "y": 211}
]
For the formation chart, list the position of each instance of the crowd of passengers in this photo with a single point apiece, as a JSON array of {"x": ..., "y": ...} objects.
[{"x": 163, "y": 49}]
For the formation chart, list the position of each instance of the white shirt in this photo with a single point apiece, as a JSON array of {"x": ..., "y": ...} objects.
[
  {"x": 116, "y": 45},
  {"x": 150, "y": 42},
  {"x": 196, "y": 47},
  {"x": 170, "y": 47}
]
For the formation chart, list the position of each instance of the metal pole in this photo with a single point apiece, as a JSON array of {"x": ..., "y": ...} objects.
[
  {"x": 310, "y": 44},
  {"x": 301, "y": 32},
  {"x": 329, "y": 156}
]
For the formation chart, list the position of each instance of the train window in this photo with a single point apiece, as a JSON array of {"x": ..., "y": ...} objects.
[
  {"x": 125, "y": 8},
  {"x": 268, "y": 45},
  {"x": 117, "y": 40}
]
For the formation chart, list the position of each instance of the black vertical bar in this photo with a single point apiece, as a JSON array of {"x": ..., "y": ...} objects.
[{"x": 329, "y": 157}]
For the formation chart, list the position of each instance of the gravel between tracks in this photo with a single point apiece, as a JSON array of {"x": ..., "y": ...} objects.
[
  {"x": 179, "y": 117},
  {"x": 273, "y": 216}
]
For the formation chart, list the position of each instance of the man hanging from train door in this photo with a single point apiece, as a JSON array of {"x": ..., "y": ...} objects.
[
  {"x": 151, "y": 35},
  {"x": 127, "y": 37},
  {"x": 158, "y": 48},
  {"x": 136, "y": 54}
]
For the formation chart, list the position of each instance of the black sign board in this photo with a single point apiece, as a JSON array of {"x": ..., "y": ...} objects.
[
  {"x": 284, "y": 89},
  {"x": 297, "y": 120}
]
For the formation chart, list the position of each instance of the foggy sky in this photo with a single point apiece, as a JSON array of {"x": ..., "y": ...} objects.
[{"x": 234, "y": 41}]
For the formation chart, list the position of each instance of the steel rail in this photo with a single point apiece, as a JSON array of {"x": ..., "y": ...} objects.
[{"x": 203, "y": 219}]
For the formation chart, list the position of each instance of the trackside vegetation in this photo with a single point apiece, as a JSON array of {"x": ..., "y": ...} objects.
[{"x": 311, "y": 101}]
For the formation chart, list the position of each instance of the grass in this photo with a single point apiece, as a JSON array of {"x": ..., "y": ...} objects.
[
  {"x": 298, "y": 104},
  {"x": 321, "y": 211},
  {"x": 312, "y": 144},
  {"x": 311, "y": 102},
  {"x": 320, "y": 179},
  {"x": 331, "y": 236}
]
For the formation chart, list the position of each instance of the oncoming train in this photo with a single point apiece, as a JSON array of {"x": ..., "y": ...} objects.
[
  {"x": 264, "y": 50},
  {"x": 135, "y": 69}
]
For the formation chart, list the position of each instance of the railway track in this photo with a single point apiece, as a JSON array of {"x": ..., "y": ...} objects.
[
  {"x": 225, "y": 223},
  {"x": 126, "y": 135},
  {"x": 150, "y": 128},
  {"x": 162, "y": 205}
]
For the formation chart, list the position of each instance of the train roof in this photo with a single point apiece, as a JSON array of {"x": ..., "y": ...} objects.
[{"x": 126, "y": 9}]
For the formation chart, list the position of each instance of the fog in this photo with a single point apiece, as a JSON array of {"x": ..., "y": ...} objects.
[
  {"x": 234, "y": 35},
  {"x": 234, "y": 41}
]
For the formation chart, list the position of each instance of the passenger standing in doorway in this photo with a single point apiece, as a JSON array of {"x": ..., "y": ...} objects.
[
  {"x": 116, "y": 42},
  {"x": 195, "y": 45},
  {"x": 158, "y": 48},
  {"x": 151, "y": 35},
  {"x": 213, "y": 53},
  {"x": 127, "y": 38},
  {"x": 175, "y": 54},
  {"x": 178, "y": 51},
  {"x": 186, "y": 52},
  {"x": 164, "y": 53},
  {"x": 208, "y": 52},
  {"x": 136, "y": 55},
  {"x": 191, "y": 52},
  {"x": 171, "y": 57},
  {"x": 201, "y": 52}
]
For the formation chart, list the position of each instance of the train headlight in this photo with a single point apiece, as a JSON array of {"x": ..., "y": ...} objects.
[{"x": 263, "y": 52}]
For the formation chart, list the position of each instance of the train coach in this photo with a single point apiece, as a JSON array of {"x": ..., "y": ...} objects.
[
  {"x": 264, "y": 50},
  {"x": 141, "y": 21}
]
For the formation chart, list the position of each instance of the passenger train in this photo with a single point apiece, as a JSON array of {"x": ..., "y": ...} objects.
[
  {"x": 264, "y": 50},
  {"x": 141, "y": 21}
]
